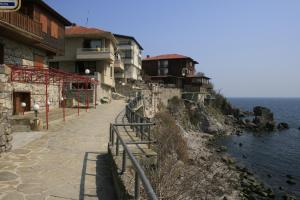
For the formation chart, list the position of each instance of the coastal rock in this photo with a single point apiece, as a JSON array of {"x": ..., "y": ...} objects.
[
  {"x": 264, "y": 112},
  {"x": 291, "y": 182},
  {"x": 264, "y": 119},
  {"x": 283, "y": 126},
  {"x": 228, "y": 160},
  {"x": 289, "y": 197}
]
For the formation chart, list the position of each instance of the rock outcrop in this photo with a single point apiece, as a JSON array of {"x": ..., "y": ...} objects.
[
  {"x": 263, "y": 120},
  {"x": 283, "y": 126}
]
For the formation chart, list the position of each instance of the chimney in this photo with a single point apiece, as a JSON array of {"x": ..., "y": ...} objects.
[{"x": 148, "y": 56}]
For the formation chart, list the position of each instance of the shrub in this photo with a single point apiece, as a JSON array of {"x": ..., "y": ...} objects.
[{"x": 169, "y": 138}]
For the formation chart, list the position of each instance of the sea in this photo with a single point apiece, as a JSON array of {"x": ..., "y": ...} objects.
[{"x": 273, "y": 157}]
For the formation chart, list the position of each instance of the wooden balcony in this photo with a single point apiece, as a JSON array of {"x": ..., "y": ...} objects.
[{"x": 22, "y": 22}]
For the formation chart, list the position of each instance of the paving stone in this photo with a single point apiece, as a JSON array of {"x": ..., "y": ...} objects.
[
  {"x": 7, "y": 176},
  {"x": 35, "y": 197},
  {"x": 21, "y": 151},
  {"x": 54, "y": 164},
  {"x": 13, "y": 196},
  {"x": 30, "y": 188}
]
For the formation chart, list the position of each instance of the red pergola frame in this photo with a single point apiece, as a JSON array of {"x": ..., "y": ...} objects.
[{"x": 46, "y": 76}]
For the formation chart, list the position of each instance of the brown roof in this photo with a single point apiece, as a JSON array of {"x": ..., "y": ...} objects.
[
  {"x": 169, "y": 57},
  {"x": 81, "y": 31},
  {"x": 78, "y": 30}
]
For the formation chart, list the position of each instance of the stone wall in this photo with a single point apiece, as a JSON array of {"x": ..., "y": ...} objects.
[
  {"x": 5, "y": 113},
  {"x": 20, "y": 54},
  {"x": 157, "y": 95},
  {"x": 38, "y": 93}
]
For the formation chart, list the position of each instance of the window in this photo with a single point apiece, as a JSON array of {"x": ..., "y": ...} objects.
[
  {"x": 163, "y": 67},
  {"x": 128, "y": 54},
  {"x": 38, "y": 61},
  {"x": 82, "y": 66},
  {"x": 111, "y": 71},
  {"x": 54, "y": 29},
  {"x": 54, "y": 65},
  {"x": 44, "y": 22},
  {"x": 93, "y": 44},
  {"x": 1, "y": 54}
]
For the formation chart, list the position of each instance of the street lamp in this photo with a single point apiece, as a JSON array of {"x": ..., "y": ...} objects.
[
  {"x": 184, "y": 71},
  {"x": 23, "y": 105},
  {"x": 36, "y": 108},
  {"x": 87, "y": 71}
]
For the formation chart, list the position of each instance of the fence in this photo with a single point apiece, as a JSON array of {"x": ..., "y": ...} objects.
[{"x": 142, "y": 127}]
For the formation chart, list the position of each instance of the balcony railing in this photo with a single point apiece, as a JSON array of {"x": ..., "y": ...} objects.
[
  {"x": 119, "y": 65},
  {"x": 95, "y": 53},
  {"x": 22, "y": 21}
]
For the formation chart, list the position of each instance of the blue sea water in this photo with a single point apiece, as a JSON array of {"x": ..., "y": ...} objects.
[{"x": 276, "y": 154}]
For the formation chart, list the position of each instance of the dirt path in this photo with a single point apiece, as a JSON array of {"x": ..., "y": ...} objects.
[{"x": 68, "y": 162}]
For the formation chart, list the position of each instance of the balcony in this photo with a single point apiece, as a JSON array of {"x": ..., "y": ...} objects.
[
  {"x": 95, "y": 54},
  {"x": 12, "y": 20},
  {"x": 119, "y": 66}
]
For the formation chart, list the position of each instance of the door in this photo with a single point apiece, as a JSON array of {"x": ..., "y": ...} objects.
[
  {"x": 20, "y": 97},
  {"x": 38, "y": 61},
  {"x": 1, "y": 54}
]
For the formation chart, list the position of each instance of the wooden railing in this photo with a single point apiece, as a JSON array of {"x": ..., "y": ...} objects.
[{"x": 22, "y": 21}]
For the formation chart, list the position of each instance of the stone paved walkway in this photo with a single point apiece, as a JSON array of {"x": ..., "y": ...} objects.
[{"x": 68, "y": 162}]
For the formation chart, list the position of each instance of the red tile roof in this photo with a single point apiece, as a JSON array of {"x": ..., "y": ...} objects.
[
  {"x": 78, "y": 30},
  {"x": 168, "y": 57}
]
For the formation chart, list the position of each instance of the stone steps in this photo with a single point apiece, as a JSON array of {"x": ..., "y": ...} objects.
[{"x": 21, "y": 123}]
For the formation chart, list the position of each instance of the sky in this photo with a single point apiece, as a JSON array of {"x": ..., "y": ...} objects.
[{"x": 248, "y": 48}]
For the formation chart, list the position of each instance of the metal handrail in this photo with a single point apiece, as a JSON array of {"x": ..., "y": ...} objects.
[{"x": 137, "y": 123}]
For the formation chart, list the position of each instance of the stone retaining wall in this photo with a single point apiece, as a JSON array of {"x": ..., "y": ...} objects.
[{"x": 5, "y": 129}]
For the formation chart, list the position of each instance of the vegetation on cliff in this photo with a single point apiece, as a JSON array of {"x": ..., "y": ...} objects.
[{"x": 187, "y": 168}]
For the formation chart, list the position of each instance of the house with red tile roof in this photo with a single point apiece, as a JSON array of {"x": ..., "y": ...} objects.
[
  {"x": 93, "y": 50},
  {"x": 175, "y": 70}
]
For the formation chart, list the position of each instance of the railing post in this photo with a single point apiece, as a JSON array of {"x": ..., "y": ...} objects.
[
  {"x": 137, "y": 187},
  {"x": 149, "y": 136},
  {"x": 113, "y": 137},
  {"x": 124, "y": 162},
  {"x": 110, "y": 133},
  {"x": 142, "y": 129},
  {"x": 117, "y": 146}
]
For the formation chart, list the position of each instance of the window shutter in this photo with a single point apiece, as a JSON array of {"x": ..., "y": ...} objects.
[
  {"x": 44, "y": 22},
  {"x": 54, "y": 29},
  {"x": 38, "y": 61}
]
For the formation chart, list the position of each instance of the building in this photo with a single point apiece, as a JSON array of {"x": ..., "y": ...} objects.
[
  {"x": 177, "y": 71},
  {"x": 168, "y": 69},
  {"x": 92, "y": 49},
  {"x": 130, "y": 52},
  {"x": 27, "y": 38}
]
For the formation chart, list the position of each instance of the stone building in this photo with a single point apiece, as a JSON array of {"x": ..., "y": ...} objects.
[{"x": 27, "y": 38}]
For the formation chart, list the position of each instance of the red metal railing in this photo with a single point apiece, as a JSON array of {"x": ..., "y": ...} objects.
[
  {"x": 45, "y": 76},
  {"x": 22, "y": 21},
  {"x": 26, "y": 74}
]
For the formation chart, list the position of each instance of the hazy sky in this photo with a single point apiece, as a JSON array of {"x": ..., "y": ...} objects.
[{"x": 248, "y": 48}]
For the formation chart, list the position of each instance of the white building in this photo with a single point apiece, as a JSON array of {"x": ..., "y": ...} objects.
[{"x": 131, "y": 54}]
